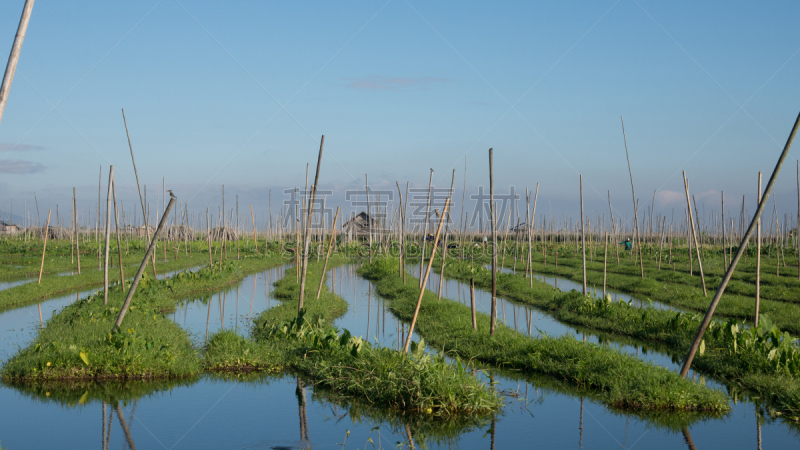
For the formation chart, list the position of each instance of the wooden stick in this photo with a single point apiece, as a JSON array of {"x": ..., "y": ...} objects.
[
  {"x": 605, "y": 258},
  {"x": 147, "y": 255},
  {"x": 108, "y": 234},
  {"x": 583, "y": 239},
  {"x": 758, "y": 255},
  {"x": 44, "y": 248},
  {"x": 139, "y": 187},
  {"x": 307, "y": 237},
  {"x": 425, "y": 278},
  {"x": 472, "y": 299},
  {"x": 75, "y": 226},
  {"x": 253, "y": 218},
  {"x": 328, "y": 253},
  {"x": 729, "y": 273},
  {"x": 444, "y": 243},
  {"x": 694, "y": 233},
  {"x": 637, "y": 238},
  {"x": 16, "y": 48},
  {"x": 119, "y": 242},
  {"x": 425, "y": 231},
  {"x": 494, "y": 244}
]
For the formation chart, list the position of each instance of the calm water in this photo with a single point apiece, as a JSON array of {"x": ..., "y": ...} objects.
[{"x": 272, "y": 412}]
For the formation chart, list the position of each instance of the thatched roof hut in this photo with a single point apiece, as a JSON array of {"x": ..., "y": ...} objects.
[
  {"x": 359, "y": 226},
  {"x": 227, "y": 233},
  {"x": 179, "y": 233}
]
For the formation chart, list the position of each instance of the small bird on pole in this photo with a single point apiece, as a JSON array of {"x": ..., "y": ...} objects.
[{"x": 171, "y": 195}]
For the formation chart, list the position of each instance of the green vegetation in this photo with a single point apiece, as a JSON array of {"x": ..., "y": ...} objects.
[
  {"x": 611, "y": 377},
  {"x": 78, "y": 343},
  {"x": 764, "y": 361},
  {"x": 379, "y": 377}
]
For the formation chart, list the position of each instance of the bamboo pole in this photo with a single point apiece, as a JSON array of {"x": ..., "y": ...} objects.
[
  {"x": 694, "y": 234},
  {"x": 493, "y": 219},
  {"x": 796, "y": 232},
  {"x": 605, "y": 259},
  {"x": 44, "y": 247},
  {"x": 583, "y": 239},
  {"x": 425, "y": 278},
  {"x": 147, "y": 255},
  {"x": 139, "y": 187},
  {"x": 710, "y": 313},
  {"x": 75, "y": 227},
  {"x": 637, "y": 238},
  {"x": 119, "y": 242},
  {"x": 208, "y": 235},
  {"x": 472, "y": 300},
  {"x": 402, "y": 253},
  {"x": 253, "y": 218},
  {"x": 444, "y": 243},
  {"x": 307, "y": 237},
  {"x": 425, "y": 231},
  {"x": 328, "y": 253},
  {"x": 107, "y": 234},
  {"x": 758, "y": 256},
  {"x": 13, "y": 58}
]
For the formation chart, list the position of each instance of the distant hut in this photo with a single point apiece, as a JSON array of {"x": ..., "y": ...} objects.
[
  {"x": 180, "y": 233},
  {"x": 359, "y": 226},
  {"x": 53, "y": 232},
  {"x": 220, "y": 233},
  {"x": 143, "y": 232},
  {"x": 521, "y": 229},
  {"x": 8, "y": 228}
]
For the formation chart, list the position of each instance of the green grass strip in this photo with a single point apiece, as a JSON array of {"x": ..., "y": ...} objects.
[{"x": 616, "y": 379}]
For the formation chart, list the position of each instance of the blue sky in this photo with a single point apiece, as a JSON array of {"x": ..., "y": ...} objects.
[{"x": 240, "y": 93}]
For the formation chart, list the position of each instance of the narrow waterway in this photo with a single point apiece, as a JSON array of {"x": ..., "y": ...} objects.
[{"x": 277, "y": 412}]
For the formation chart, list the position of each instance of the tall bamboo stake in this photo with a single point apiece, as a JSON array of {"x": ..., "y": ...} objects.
[
  {"x": 147, "y": 255},
  {"x": 425, "y": 278},
  {"x": 472, "y": 300},
  {"x": 605, "y": 258},
  {"x": 307, "y": 237},
  {"x": 328, "y": 253},
  {"x": 119, "y": 242},
  {"x": 44, "y": 247},
  {"x": 758, "y": 256},
  {"x": 253, "y": 218},
  {"x": 75, "y": 227},
  {"x": 583, "y": 239},
  {"x": 710, "y": 313},
  {"x": 530, "y": 234},
  {"x": 13, "y": 58},
  {"x": 107, "y": 234},
  {"x": 637, "y": 239},
  {"x": 444, "y": 246},
  {"x": 694, "y": 234},
  {"x": 493, "y": 219},
  {"x": 425, "y": 231},
  {"x": 139, "y": 187}
]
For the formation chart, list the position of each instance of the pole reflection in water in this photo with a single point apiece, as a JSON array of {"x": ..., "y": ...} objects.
[
  {"x": 125, "y": 427},
  {"x": 687, "y": 437},
  {"x": 580, "y": 427},
  {"x": 301, "y": 408}
]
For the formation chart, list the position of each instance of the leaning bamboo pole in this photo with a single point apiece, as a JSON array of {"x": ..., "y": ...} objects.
[
  {"x": 13, "y": 57},
  {"x": 44, "y": 247},
  {"x": 729, "y": 273},
  {"x": 694, "y": 234},
  {"x": 425, "y": 278},
  {"x": 307, "y": 237},
  {"x": 637, "y": 238},
  {"x": 138, "y": 276},
  {"x": 328, "y": 253}
]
